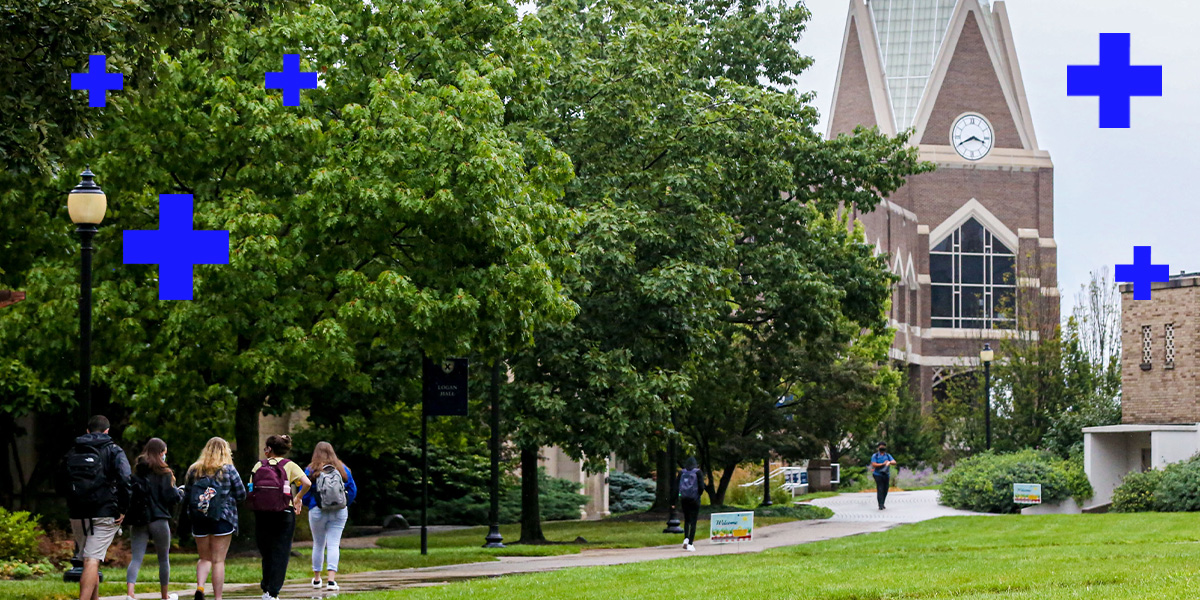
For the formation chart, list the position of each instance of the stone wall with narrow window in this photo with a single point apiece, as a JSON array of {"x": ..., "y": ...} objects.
[{"x": 1160, "y": 373}]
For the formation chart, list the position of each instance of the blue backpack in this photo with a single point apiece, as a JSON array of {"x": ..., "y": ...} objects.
[{"x": 689, "y": 484}]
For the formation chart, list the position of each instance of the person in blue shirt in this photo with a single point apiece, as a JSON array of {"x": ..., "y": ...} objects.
[
  {"x": 881, "y": 463},
  {"x": 332, "y": 482}
]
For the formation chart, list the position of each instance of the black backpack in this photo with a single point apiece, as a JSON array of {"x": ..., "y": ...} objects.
[
  {"x": 86, "y": 476},
  {"x": 139, "y": 512},
  {"x": 207, "y": 497}
]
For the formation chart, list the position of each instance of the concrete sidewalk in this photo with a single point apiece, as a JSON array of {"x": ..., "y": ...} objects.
[{"x": 854, "y": 514}]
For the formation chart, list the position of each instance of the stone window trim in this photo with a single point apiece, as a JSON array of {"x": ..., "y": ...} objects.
[
  {"x": 1147, "y": 346},
  {"x": 1169, "y": 345}
]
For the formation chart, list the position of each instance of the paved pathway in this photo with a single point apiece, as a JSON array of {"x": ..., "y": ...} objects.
[
  {"x": 902, "y": 507},
  {"x": 854, "y": 514}
]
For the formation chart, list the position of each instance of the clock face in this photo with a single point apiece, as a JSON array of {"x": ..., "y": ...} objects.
[{"x": 972, "y": 136}]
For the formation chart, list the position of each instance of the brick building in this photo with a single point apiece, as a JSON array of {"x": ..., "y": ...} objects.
[
  {"x": 973, "y": 242},
  {"x": 1160, "y": 363}
]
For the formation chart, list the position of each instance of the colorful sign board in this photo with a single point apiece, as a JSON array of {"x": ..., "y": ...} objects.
[
  {"x": 1027, "y": 493},
  {"x": 731, "y": 527}
]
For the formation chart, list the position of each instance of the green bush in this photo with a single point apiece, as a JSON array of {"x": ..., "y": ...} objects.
[
  {"x": 16, "y": 569},
  {"x": 629, "y": 493},
  {"x": 799, "y": 512},
  {"x": 19, "y": 534},
  {"x": 559, "y": 500},
  {"x": 983, "y": 482},
  {"x": 1136, "y": 492},
  {"x": 1178, "y": 489}
]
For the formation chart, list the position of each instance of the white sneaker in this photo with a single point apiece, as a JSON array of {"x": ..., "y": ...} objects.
[
  {"x": 691, "y": 548},
  {"x": 268, "y": 596},
  {"x": 172, "y": 596},
  {"x": 316, "y": 583},
  {"x": 130, "y": 598},
  {"x": 332, "y": 586},
  {"x": 686, "y": 543}
]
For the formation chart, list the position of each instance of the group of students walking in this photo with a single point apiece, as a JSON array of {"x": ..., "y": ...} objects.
[{"x": 103, "y": 494}]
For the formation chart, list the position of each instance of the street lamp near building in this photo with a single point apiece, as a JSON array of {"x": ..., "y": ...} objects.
[
  {"x": 87, "y": 205},
  {"x": 986, "y": 356}
]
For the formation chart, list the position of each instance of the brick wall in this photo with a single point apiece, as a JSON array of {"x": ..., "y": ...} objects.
[{"x": 1160, "y": 395}]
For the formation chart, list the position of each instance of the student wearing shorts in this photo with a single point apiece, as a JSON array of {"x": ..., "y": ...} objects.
[
  {"x": 95, "y": 479},
  {"x": 213, "y": 488}
]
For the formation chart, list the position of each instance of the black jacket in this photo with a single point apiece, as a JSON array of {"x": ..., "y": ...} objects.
[
  {"x": 163, "y": 493},
  {"x": 116, "y": 472}
]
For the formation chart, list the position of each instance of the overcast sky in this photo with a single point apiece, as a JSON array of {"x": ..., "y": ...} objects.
[{"x": 1114, "y": 188}]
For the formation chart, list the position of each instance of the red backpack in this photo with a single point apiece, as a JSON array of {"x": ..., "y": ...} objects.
[{"x": 270, "y": 490}]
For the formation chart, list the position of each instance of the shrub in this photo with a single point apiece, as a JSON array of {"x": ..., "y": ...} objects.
[
  {"x": 1178, "y": 489},
  {"x": 19, "y": 534},
  {"x": 983, "y": 482},
  {"x": 559, "y": 500},
  {"x": 799, "y": 512},
  {"x": 1136, "y": 492},
  {"x": 629, "y": 493},
  {"x": 16, "y": 569}
]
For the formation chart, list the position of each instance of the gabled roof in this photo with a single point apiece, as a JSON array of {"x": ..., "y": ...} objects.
[{"x": 919, "y": 60}]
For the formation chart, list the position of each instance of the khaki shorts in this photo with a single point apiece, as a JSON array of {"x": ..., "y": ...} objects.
[{"x": 94, "y": 536}]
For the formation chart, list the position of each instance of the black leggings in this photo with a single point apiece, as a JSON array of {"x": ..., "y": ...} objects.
[
  {"x": 273, "y": 532},
  {"x": 691, "y": 512},
  {"x": 881, "y": 488}
]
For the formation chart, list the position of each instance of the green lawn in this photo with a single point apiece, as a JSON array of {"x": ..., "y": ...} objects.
[
  {"x": 1096, "y": 557},
  {"x": 401, "y": 552}
]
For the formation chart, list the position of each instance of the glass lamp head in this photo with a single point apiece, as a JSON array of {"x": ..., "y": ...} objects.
[
  {"x": 87, "y": 202},
  {"x": 986, "y": 355}
]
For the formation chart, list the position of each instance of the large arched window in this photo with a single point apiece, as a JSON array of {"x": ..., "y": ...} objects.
[{"x": 974, "y": 280}]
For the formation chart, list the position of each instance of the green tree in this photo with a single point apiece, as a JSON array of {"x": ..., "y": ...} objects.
[
  {"x": 48, "y": 40},
  {"x": 401, "y": 207}
]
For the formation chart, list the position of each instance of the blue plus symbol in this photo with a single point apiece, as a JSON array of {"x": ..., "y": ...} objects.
[
  {"x": 1141, "y": 273},
  {"x": 1114, "y": 80},
  {"x": 291, "y": 80},
  {"x": 175, "y": 247},
  {"x": 96, "y": 81}
]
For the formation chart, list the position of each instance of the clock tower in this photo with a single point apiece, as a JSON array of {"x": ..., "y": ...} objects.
[{"x": 972, "y": 243}]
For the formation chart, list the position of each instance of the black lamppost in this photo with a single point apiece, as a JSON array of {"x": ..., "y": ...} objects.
[
  {"x": 673, "y": 518},
  {"x": 87, "y": 205},
  {"x": 986, "y": 357},
  {"x": 767, "y": 480},
  {"x": 494, "y": 539}
]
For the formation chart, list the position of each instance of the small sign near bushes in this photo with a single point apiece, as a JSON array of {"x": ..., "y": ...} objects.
[{"x": 1027, "y": 493}]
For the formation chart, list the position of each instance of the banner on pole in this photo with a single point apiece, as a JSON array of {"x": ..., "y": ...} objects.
[{"x": 445, "y": 388}]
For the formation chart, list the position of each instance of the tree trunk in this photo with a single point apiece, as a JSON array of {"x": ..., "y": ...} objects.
[
  {"x": 663, "y": 473},
  {"x": 726, "y": 477},
  {"x": 245, "y": 454},
  {"x": 245, "y": 435},
  {"x": 531, "y": 515}
]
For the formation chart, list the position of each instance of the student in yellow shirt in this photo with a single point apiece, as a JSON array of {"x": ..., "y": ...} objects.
[{"x": 277, "y": 487}]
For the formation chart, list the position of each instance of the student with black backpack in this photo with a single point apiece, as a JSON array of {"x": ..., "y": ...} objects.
[
  {"x": 275, "y": 504},
  {"x": 154, "y": 496},
  {"x": 333, "y": 491},
  {"x": 213, "y": 488},
  {"x": 95, "y": 480},
  {"x": 691, "y": 487}
]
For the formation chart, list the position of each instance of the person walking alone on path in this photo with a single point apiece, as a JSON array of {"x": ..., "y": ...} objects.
[
  {"x": 275, "y": 504},
  {"x": 213, "y": 488},
  {"x": 691, "y": 487},
  {"x": 95, "y": 480},
  {"x": 333, "y": 491},
  {"x": 881, "y": 463},
  {"x": 154, "y": 495}
]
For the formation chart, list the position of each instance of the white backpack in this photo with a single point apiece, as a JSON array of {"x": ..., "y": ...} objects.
[{"x": 330, "y": 490}]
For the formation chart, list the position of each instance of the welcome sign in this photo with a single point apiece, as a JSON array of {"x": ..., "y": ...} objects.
[
  {"x": 724, "y": 528},
  {"x": 1027, "y": 493}
]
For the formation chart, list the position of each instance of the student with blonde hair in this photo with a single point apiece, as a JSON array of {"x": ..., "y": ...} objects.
[
  {"x": 213, "y": 488},
  {"x": 333, "y": 491}
]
